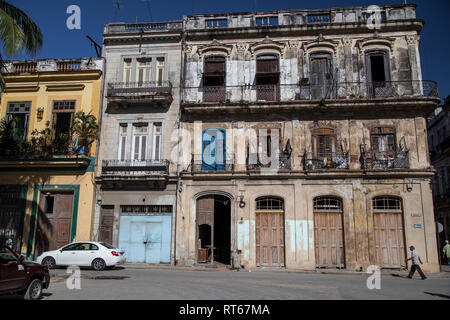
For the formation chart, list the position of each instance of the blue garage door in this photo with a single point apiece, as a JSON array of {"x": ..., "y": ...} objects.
[{"x": 146, "y": 238}]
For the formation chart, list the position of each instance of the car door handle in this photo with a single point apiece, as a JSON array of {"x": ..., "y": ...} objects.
[{"x": 73, "y": 252}]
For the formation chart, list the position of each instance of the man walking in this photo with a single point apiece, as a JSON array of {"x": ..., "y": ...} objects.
[
  {"x": 415, "y": 263},
  {"x": 446, "y": 252}
]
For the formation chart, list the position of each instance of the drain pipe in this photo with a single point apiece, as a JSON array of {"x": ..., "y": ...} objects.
[{"x": 179, "y": 183}]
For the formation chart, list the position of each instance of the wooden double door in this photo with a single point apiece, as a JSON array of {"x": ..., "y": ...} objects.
[
  {"x": 270, "y": 248},
  {"x": 389, "y": 239},
  {"x": 328, "y": 240},
  {"x": 55, "y": 220}
]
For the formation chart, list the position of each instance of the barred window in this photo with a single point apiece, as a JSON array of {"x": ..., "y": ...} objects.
[
  {"x": 64, "y": 105},
  {"x": 269, "y": 203},
  {"x": 327, "y": 204},
  {"x": 387, "y": 203},
  {"x": 145, "y": 209}
]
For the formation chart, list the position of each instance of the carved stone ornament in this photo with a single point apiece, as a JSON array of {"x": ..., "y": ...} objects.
[
  {"x": 412, "y": 39},
  {"x": 216, "y": 47}
]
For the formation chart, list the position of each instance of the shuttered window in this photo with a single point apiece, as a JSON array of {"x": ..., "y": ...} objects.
[
  {"x": 122, "y": 141},
  {"x": 126, "y": 70},
  {"x": 140, "y": 141},
  {"x": 143, "y": 71},
  {"x": 383, "y": 139},
  {"x": 157, "y": 134}
]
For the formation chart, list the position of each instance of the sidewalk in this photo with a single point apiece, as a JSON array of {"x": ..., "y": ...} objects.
[{"x": 445, "y": 270}]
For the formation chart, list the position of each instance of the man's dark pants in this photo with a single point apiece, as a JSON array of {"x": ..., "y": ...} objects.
[{"x": 413, "y": 270}]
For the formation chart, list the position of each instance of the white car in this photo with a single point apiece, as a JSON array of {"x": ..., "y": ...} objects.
[{"x": 98, "y": 255}]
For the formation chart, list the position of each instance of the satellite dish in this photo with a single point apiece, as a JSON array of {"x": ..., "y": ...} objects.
[{"x": 439, "y": 227}]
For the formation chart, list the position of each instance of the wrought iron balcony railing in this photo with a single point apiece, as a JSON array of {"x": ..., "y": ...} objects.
[
  {"x": 135, "y": 167},
  {"x": 326, "y": 160},
  {"x": 385, "y": 160},
  {"x": 283, "y": 163},
  {"x": 136, "y": 89},
  {"x": 307, "y": 91},
  {"x": 200, "y": 164}
]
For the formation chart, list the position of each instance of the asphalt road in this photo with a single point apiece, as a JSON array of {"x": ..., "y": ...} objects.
[{"x": 155, "y": 284}]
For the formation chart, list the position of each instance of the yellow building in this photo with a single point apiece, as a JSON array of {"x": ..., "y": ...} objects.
[{"x": 47, "y": 188}]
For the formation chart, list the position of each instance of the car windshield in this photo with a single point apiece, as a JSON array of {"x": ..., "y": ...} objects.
[
  {"x": 6, "y": 256},
  {"x": 107, "y": 245}
]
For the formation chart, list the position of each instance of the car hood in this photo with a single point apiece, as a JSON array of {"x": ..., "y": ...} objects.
[
  {"x": 48, "y": 253},
  {"x": 35, "y": 266}
]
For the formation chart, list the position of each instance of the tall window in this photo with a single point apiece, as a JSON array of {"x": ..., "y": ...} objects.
[
  {"x": 143, "y": 71},
  {"x": 123, "y": 127},
  {"x": 214, "y": 79},
  {"x": 378, "y": 73},
  {"x": 324, "y": 142},
  {"x": 140, "y": 134},
  {"x": 267, "y": 77},
  {"x": 127, "y": 70},
  {"x": 213, "y": 150},
  {"x": 157, "y": 134},
  {"x": 321, "y": 76},
  {"x": 160, "y": 71},
  {"x": 63, "y": 112},
  {"x": 383, "y": 139},
  {"x": 20, "y": 112}
]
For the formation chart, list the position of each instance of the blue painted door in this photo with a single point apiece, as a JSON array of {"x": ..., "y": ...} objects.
[
  {"x": 213, "y": 150},
  {"x": 146, "y": 238}
]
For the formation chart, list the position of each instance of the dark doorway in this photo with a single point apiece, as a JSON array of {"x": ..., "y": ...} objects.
[
  {"x": 222, "y": 229},
  {"x": 214, "y": 229}
]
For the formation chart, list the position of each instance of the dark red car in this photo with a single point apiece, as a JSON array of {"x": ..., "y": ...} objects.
[{"x": 21, "y": 277}]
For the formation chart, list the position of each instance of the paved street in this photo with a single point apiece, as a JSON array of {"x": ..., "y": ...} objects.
[{"x": 168, "y": 283}]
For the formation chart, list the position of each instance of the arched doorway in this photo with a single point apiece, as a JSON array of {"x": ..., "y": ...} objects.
[
  {"x": 389, "y": 231},
  {"x": 328, "y": 233},
  {"x": 214, "y": 229},
  {"x": 269, "y": 225}
]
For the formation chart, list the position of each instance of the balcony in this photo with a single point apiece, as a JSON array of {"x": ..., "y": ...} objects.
[
  {"x": 325, "y": 161},
  {"x": 304, "y": 91},
  {"x": 304, "y": 20},
  {"x": 53, "y": 65},
  {"x": 126, "y": 94},
  {"x": 135, "y": 167},
  {"x": 254, "y": 162},
  {"x": 386, "y": 160},
  {"x": 134, "y": 174},
  {"x": 153, "y": 27},
  {"x": 198, "y": 164}
]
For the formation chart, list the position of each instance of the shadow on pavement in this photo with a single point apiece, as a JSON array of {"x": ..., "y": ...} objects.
[{"x": 438, "y": 295}]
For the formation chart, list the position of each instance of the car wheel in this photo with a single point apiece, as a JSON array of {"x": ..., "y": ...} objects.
[
  {"x": 34, "y": 290},
  {"x": 49, "y": 262},
  {"x": 98, "y": 264}
]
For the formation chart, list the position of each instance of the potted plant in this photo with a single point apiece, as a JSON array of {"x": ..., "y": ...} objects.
[
  {"x": 7, "y": 143},
  {"x": 43, "y": 140},
  {"x": 84, "y": 131}
]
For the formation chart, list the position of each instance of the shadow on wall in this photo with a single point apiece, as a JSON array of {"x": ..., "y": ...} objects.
[{"x": 44, "y": 228}]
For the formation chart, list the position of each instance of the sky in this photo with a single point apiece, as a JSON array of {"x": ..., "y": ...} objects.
[{"x": 60, "y": 42}]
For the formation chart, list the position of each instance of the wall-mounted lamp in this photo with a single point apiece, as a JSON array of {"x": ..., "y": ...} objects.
[
  {"x": 40, "y": 114},
  {"x": 409, "y": 187},
  {"x": 241, "y": 202}
]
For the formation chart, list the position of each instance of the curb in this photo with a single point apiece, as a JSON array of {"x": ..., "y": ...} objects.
[{"x": 394, "y": 273}]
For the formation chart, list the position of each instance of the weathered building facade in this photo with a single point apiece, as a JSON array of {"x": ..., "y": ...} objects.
[
  {"x": 136, "y": 182},
  {"x": 439, "y": 142},
  {"x": 304, "y": 140},
  {"x": 47, "y": 193}
]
